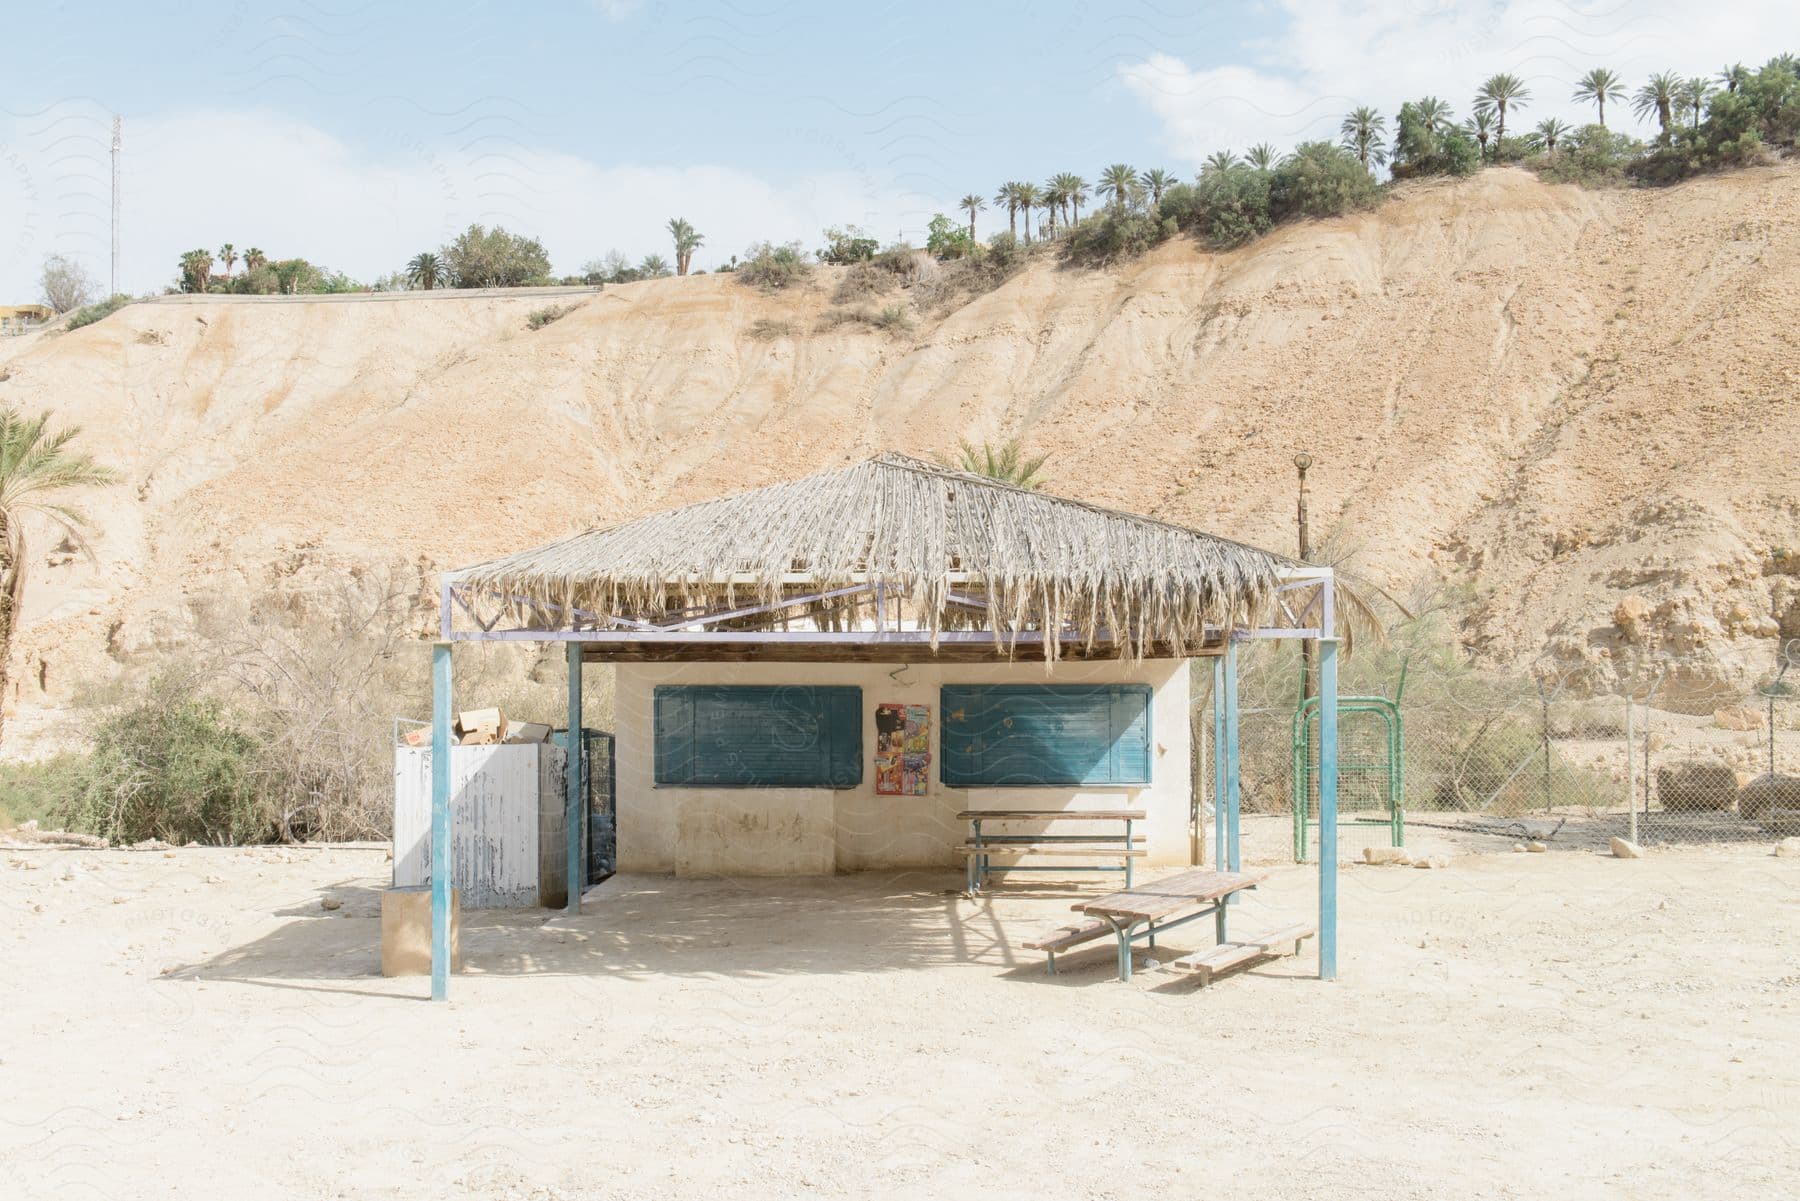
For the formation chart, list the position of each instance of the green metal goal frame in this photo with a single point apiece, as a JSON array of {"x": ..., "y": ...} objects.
[{"x": 1304, "y": 772}]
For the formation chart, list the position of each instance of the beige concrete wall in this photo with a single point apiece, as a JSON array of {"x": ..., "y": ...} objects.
[{"x": 804, "y": 831}]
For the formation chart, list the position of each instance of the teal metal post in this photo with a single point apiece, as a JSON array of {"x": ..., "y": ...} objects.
[
  {"x": 440, "y": 821},
  {"x": 1233, "y": 855},
  {"x": 1328, "y": 798},
  {"x": 575, "y": 762},
  {"x": 1219, "y": 763}
]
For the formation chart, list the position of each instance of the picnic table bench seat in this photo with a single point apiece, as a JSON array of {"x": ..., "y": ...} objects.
[
  {"x": 980, "y": 849},
  {"x": 1228, "y": 955}
]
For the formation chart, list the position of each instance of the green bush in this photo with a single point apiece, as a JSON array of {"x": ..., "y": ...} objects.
[
  {"x": 947, "y": 239},
  {"x": 847, "y": 245},
  {"x": 771, "y": 267},
  {"x": 172, "y": 765},
  {"x": 1232, "y": 206},
  {"x": 94, "y": 312},
  {"x": 1112, "y": 236},
  {"x": 539, "y": 318},
  {"x": 1319, "y": 179},
  {"x": 40, "y": 792},
  {"x": 1593, "y": 156},
  {"x": 1425, "y": 145}
]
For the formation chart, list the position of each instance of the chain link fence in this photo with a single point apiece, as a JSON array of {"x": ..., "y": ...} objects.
[{"x": 1468, "y": 751}]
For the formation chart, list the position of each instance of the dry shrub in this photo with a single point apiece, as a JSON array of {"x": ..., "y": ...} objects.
[
  {"x": 766, "y": 330},
  {"x": 861, "y": 282}
]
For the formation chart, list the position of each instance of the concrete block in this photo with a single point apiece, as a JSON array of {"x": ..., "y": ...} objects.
[{"x": 406, "y": 931}]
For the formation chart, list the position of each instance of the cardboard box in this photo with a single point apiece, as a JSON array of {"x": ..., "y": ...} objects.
[
  {"x": 406, "y": 931},
  {"x": 528, "y": 731},
  {"x": 480, "y": 727}
]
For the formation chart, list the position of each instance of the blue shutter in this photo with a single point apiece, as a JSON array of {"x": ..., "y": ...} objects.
[
  {"x": 719, "y": 736},
  {"x": 1050, "y": 734}
]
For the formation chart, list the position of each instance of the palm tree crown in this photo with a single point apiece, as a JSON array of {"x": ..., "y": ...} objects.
[
  {"x": 1363, "y": 130},
  {"x": 1659, "y": 97},
  {"x": 1693, "y": 96},
  {"x": 1219, "y": 160},
  {"x": 1154, "y": 181},
  {"x": 424, "y": 271},
  {"x": 1007, "y": 463},
  {"x": 1599, "y": 86},
  {"x": 972, "y": 204},
  {"x": 1118, "y": 179},
  {"x": 1029, "y": 199},
  {"x": 1500, "y": 93},
  {"x": 1262, "y": 156},
  {"x": 1548, "y": 133}
]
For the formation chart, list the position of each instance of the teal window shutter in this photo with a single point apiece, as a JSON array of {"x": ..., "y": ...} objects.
[
  {"x": 1025, "y": 735},
  {"x": 720, "y": 736}
]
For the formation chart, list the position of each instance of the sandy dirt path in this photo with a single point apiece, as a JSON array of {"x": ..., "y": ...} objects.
[{"x": 197, "y": 1023}]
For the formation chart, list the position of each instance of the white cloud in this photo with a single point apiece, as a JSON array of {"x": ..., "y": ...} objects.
[
  {"x": 1334, "y": 54},
  {"x": 259, "y": 178}
]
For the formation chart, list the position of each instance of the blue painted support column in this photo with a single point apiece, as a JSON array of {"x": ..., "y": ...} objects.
[
  {"x": 440, "y": 821},
  {"x": 1219, "y": 763},
  {"x": 1328, "y": 799},
  {"x": 575, "y": 763},
  {"x": 1233, "y": 850}
]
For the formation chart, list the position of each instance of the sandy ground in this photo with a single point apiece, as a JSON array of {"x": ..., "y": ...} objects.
[{"x": 197, "y": 1023}]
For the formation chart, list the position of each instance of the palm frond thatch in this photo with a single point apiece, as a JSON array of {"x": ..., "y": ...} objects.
[{"x": 930, "y": 535}]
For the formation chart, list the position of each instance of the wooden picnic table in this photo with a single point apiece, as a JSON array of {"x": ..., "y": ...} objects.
[
  {"x": 980, "y": 849},
  {"x": 1165, "y": 903}
]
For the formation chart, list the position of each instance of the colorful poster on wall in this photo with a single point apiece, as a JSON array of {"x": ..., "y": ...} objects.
[{"x": 902, "y": 749}]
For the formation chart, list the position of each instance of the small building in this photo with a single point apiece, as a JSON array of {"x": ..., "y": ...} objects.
[
  {"x": 17, "y": 318},
  {"x": 820, "y": 675}
]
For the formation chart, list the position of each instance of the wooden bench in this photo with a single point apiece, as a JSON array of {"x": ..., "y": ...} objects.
[
  {"x": 1227, "y": 955},
  {"x": 1064, "y": 937},
  {"x": 981, "y": 847}
]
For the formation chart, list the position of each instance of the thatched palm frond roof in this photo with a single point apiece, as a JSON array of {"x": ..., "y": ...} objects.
[{"x": 924, "y": 532}]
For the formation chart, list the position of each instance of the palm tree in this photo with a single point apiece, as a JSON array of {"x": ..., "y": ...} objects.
[
  {"x": 1262, "y": 156},
  {"x": 972, "y": 204},
  {"x": 1661, "y": 96},
  {"x": 1480, "y": 126},
  {"x": 196, "y": 270},
  {"x": 1055, "y": 193},
  {"x": 1548, "y": 133},
  {"x": 424, "y": 271},
  {"x": 1154, "y": 181},
  {"x": 654, "y": 266},
  {"x": 1029, "y": 198},
  {"x": 1077, "y": 189},
  {"x": 35, "y": 463},
  {"x": 1007, "y": 463},
  {"x": 1732, "y": 76},
  {"x": 228, "y": 256},
  {"x": 1363, "y": 130},
  {"x": 1599, "y": 86},
  {"x": 1009, "y": 196},
  {"x": 1435, "y": 114},
  {"x": 1118, "y": 179},
  {"x": 1502, "y": 92},
  {"x": 686, "y": 240},
  {"x": 1693, "y": 97},
  {"x": 254, "y": 258},
  {"x": 1219, "y": 160}
]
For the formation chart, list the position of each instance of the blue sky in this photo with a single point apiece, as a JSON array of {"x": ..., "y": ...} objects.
[{"x": 356, "y": 134}]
